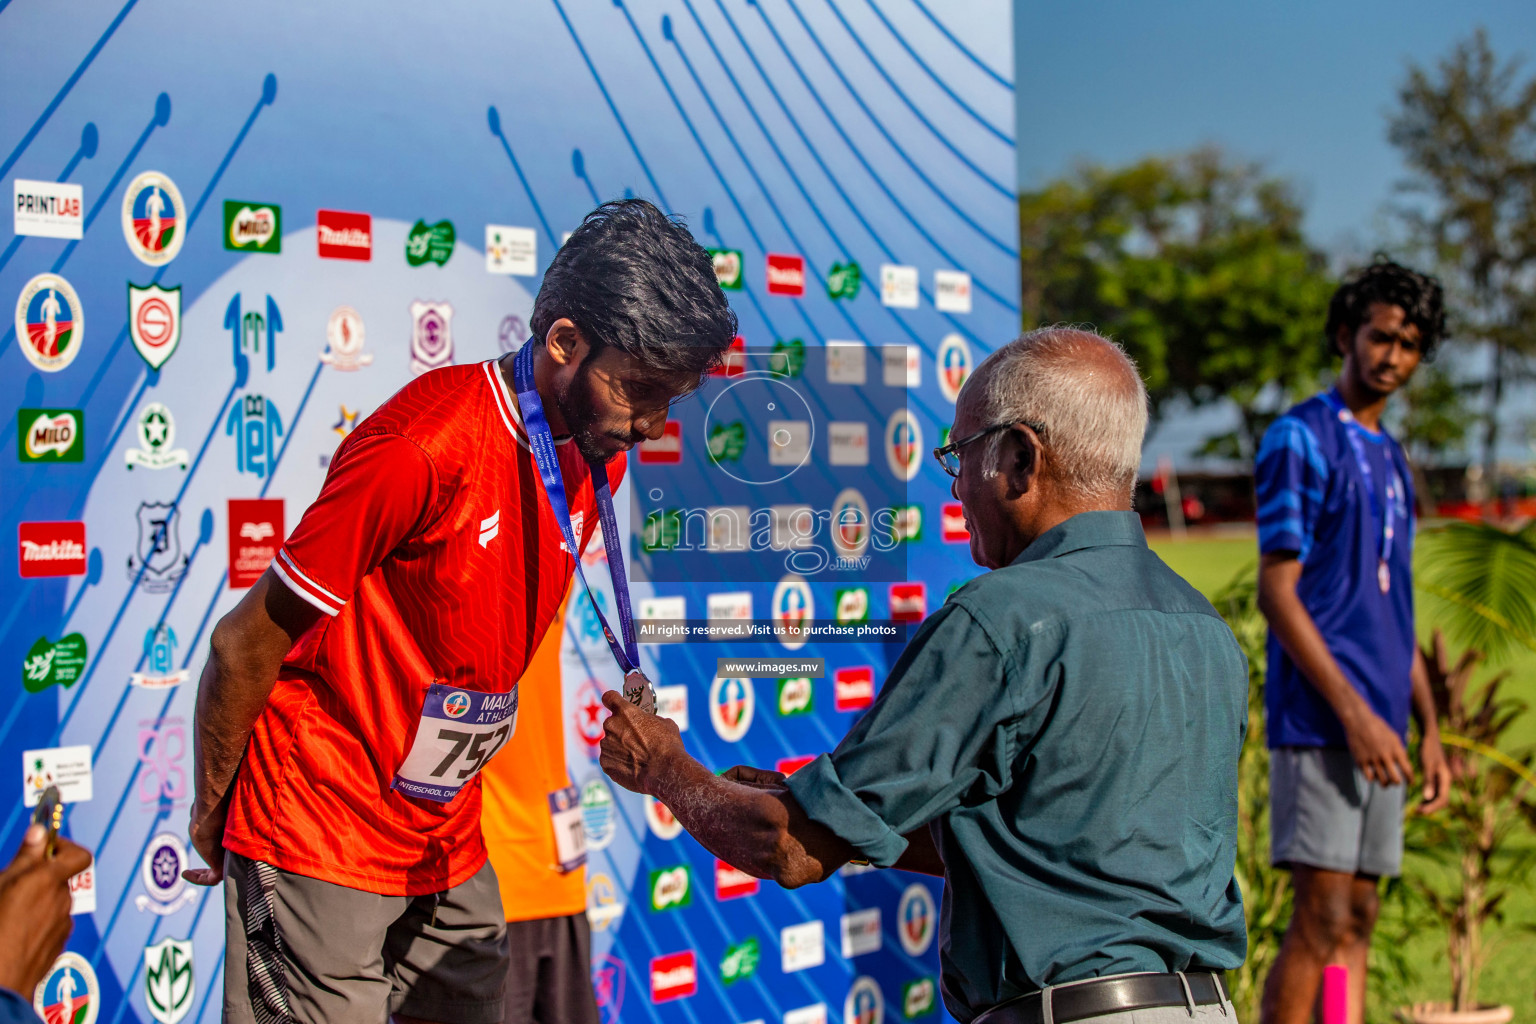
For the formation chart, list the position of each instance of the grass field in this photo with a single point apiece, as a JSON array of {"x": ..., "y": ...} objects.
[{"x": 1510, "y": 977}]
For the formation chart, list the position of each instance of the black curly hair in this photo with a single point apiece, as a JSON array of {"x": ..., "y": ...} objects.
[
  {"x": 1420, "y": 296},
  {"x": 633, "y": 278}
]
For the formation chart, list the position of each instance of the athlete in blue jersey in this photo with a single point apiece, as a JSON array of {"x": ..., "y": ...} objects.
[{"x": 1335, "y": 499}]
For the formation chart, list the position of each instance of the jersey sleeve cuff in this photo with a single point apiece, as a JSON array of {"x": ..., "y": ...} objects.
[
  {"x": 824, "y": 798},
  {"x": 304, "y": 585}
]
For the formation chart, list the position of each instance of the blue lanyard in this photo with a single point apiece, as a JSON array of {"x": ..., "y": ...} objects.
[
  {"x": 542, "y": 442},
  {"x": 1351, "y": 428}
]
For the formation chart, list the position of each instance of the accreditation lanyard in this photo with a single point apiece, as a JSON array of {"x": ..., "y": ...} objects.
[
  {"x": 542, "y": 442},
  {"x": 1395, "y": 488}
]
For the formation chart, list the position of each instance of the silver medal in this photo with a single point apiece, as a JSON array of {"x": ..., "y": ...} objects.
[{"x": 639, "y": 691}]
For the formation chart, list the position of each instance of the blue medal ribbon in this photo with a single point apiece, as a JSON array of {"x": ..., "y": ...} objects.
[{"x": 1395, "y": 487}]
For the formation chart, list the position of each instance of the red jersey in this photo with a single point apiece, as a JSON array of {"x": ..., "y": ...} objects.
[{"x": 436, "y": 558}]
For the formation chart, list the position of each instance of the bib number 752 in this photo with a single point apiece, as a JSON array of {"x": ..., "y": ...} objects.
[{"x": 458, "y": 733}]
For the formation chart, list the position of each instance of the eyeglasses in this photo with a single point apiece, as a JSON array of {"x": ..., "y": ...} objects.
[{"x": 949, "y": 455}]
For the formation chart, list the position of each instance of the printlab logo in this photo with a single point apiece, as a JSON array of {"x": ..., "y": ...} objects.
[
  {"x": 248, "y": 328},
  {"x": 69, "y": 993},
  {"x": 159, "y": 660},
  {"x": 253, "y": 227},
  {"x": 168, "y": 984},
  {"x": 162, "y": 744},
  {"x": 50, "y": 323},
  {"x": 344, "y": 334},
  {"x": 48, "y": 209},
  {"x": 843, "y": 280},
  {"x": 431, "y": 335},
  {"x": 154, "y": 322},
  {"x": 157, "y": 439},
  {"x": 53, "y": 435},
  {"x": 951, "y": 291},
  {"x": 429, "y": 243},
  {"x": 255, "y": 424},
  {"x": 159, "y": 561},
  {"x": 727, "y": 268},
  {"x": 49, "y": 662},
  {"x": 954, "y": 359},
  {"x": 165, "y": 891},
  {"x": 153, "y": 216}
]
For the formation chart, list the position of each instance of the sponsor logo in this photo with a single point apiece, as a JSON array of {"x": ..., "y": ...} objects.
[
  {"x": 664, "y": 609},
  {"x": 157, "y": 440},
  {"x": 845, "y": 361},
  {"x": 255, "y": 533},
  {"x": 165, "y": 891},
  {"x": 793, "y": 611},
  {"x": 590, "y": 714},
  {"x": 666, "y": 450},
  {"x": 901, "y": 366},
  {"x": 604, "y": 908},
  {"x": 848, "y": 443},
  {"x": 915, "y": 919},
  {"x": 82, "y": 892},
  {"x": 255, "y": 424},
  {"x": 51, "y": 549},
  {"x": 732, "y": 606},
  {"x": 662, "y": 531},
  {"x": 154, "y": 322},
  {"x": 597, "y": 813},
  {"x": 843, "y": 281},
  {"x": 346, "y": 421},
  {"x": 69, "y": 768},
  {"x": 344, "y": 338},
  {"x": 664, "y": 825},
  {"x": 816, "y": 1013},
  {"x": 671, "y": 887},
  {"x": 490, "y": 526},
  {"x": 168, "y": 982},
  {"x": 790, "y": 765},
  {"x": 954, "y": 360},
  {"x": 162, "y": 744},
  {"x": 951, "y": 291},
  {"x": 852, "y": 604},
  {"x": 802, "y": 946},
  {"x": 154, "y": 218},
  {"x": 50, "y": 322},
  {"x": 510, "y": 250},
  {"x": 794, "y": 527},
  {"x": 917, "y": 998},
  {"x": 429, "y": 243},
  {"x": 903, "y": 445},
  {"x": 344, "y": 236},
  {"x": 253, "y": 227},
  {"x": 431, "y": 335},
  {"x": 734, "y": 362},
  {"x": 861, "y": 932},
  {"x": 907, "y": 522},
  {"x": 796, "y": 696},
  {"x": 864, "y": 1003},
  {"x": 68, "y": 993},
  {"x": 739, "y": 962},
  {"x": 733, "y": 883},
  {"x": 898, "y": 286},
  {"x": 673, "y": 976},
  {"x": 160, "y": 659},
  {"x": 850, "y": 524},
  {"x": 49, "y": 209},
  {"x": 247, "y": 329},
  {"x": 727, "y": 527},
  {"x": 608, "y": 977},
  {"x": 909, "y": 602},
  {"x": 787, "y": 358},
  {"x": 54, "y": 661},
  {"x": 853, "y": 688},
  {"x": 731, "y": 703},
  {"x": 54, "y": 435},
  {"x": 159, "y": 561},
  {"x": 954, "y": 529},
  {"x": 786, "y": 275},
  {"x": 728, "y": 265},
  {"x": 789, "y": 442},
  {"x": 510, "y": 334},
  {"x": 456, "y": 704}
]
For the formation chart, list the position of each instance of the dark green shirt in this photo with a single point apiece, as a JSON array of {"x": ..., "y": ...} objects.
[{"x": 1069, "y": 725}]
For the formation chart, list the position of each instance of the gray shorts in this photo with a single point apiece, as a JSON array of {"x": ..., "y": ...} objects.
[
  {"x": 1324, "y": 813},
  {"x": 549, "y": 980},
  {"x": 302, "y": 951}
]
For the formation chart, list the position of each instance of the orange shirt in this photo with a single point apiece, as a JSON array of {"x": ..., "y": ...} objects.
[{"x": 515, "y": 788}]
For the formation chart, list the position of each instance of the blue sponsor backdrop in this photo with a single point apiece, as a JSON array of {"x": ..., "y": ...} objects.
[{"x": 868, "y": 131}]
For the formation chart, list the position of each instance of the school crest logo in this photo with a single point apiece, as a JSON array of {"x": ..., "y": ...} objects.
[
  {"x": 154, "y": 322},
  {"x": 850, "y": 524},
  {"x": 793, "y": 610},
  {"x": 731, "y": 703},
  {"x": 344, "y": 332},
  {"x": 68, "y": 993},
  {"x": 50, "y": 322},
  {"x": 160, "y": 660},
  {"x": 168, "y": 984},
  {"x": 431, "y": 335},
  {"x": 165, "y": 891},
  {"x": 248, "y": 327},
  {"x": 864, "y": 1003},
  {"x": 915, "y": 917},
  {"x": 903, "y": 444},
  {"x": 159, "y": 562},
  {"x": 255, "y": 425},
  {"x": 954, "y": 359},
  {"x": 154, "y": 218},
  {"x": 157, "y": 439}
]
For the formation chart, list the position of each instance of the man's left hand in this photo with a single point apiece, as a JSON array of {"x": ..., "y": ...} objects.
[
  {"x": 1437, "y": 775},
  {"x": 636, "y": 745}
]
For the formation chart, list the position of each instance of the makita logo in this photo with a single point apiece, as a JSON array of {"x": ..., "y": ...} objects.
[
  {"x": 53, "y": 551},
  {"x": 786, "y": 275},
  {"x": 345, "y": 236},
  {"x": 352, "y": 238},
  {"x": 256, "y": 531},
  {"x": 673, "y": 976}
]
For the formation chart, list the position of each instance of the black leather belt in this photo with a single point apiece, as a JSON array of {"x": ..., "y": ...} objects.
[{"x": 1082, "y": 1000}]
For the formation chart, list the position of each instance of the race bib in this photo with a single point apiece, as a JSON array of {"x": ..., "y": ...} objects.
[
  {"x": 459, "y": 731},
  {"x": 570, "y": 834}
]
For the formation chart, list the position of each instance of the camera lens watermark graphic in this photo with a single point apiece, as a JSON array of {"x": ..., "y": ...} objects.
[{"x": 759, "y": 399}]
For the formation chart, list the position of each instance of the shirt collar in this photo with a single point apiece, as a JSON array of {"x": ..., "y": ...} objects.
[
  {"x": 506, "y": 403},
  {"x": 1086, "y": 530}
]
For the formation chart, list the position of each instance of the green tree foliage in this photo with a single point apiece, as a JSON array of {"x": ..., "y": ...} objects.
[
  {"x": 1467, "y": 131},
  {"x": 1486, "y": 577},
  {"x": 1196, "y": 264}
]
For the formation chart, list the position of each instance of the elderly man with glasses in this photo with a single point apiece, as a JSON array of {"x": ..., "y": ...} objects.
[{"x": 1059, "y": 742}]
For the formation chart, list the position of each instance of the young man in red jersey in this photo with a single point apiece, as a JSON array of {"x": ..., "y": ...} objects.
[{"x": 353, "y": 695}]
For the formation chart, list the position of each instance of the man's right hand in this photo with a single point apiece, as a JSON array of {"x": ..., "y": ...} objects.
[
  {"x": 1377, "y": 749},
  {"x": 34, "y": 908},
  {"x": 207, "y": 834}
]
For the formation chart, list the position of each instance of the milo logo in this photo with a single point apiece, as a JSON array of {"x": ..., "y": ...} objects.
[
  {"x": 795, "y": 695},
  {"x": 52, "y": 434},
  {"x": 727, "y": 267},
  {"x": 252, "y": 227},
  {"x": 670, "y": 888}
]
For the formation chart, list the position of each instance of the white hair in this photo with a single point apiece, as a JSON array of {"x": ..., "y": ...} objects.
[{"x": 1083, "y": 389}]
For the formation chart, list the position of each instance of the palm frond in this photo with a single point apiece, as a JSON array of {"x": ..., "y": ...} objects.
[{"x": 1486, "y": 575}]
